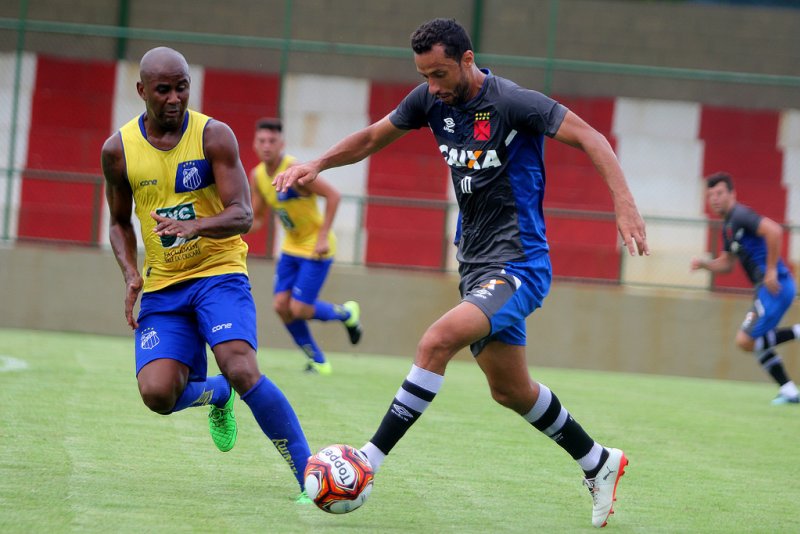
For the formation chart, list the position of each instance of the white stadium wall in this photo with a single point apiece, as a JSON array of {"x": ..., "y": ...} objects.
[
  {"x": 10, "y": 191},
  {"x": 662, "y": 157},
  {"x": 318, "y": 111},
  {"x": 789, "y": 141}
]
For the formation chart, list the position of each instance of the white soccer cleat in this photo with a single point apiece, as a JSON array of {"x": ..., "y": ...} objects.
[{"x": 603, "y": 487}]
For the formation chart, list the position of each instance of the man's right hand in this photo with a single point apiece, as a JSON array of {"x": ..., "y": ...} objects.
[
  {"x": 697, "y": 264},
  {"x": 133, "y": 286},
  {"x": 302, "y": 174},
  {"x": 771, "y": 281}
]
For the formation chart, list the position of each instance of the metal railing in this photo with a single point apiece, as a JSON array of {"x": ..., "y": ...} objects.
[{"x": 667, "y": 267}]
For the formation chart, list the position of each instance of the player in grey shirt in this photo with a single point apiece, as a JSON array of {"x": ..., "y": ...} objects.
[
  {"x": 490, "y": 133},
  {"x": 493, "y": 144}
]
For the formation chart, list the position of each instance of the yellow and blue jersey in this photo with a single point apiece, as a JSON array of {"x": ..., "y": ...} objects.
[
  {"x": 299, "y": 214},
  {"x": 177, "y": 183}
]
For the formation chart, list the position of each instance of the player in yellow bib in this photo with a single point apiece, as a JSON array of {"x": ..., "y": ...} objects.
[
  {"x": 182, "y": 171},
  {"x": 307, "y": 249}
]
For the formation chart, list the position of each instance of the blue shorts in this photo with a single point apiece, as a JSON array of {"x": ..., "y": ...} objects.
[
  {"x": 768, "y": 309},
  {"x": 178, "y": 321},
  {"x": 507, "y": 293},
  {"x": 303, "y": 276}
]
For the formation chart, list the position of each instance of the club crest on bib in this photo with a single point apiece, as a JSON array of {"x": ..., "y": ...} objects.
[{"x": 193, "y": 175}]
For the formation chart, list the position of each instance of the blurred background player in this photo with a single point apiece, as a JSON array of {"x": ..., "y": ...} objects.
[
  {"x": 183, "y": 172},
  {"x": 756, "y": 240},
  {"x": 308, "y": 246},
  {"x": 491, "y": 134}
]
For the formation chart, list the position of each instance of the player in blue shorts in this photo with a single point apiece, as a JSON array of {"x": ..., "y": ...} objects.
[
  {"x": 490, "y": 133},
  {"x": 181, "y": 170},
  {"x": 756, "y": 241},
  {"x": 308, "y": 246}
]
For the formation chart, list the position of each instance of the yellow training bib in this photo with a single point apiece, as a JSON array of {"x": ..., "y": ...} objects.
[
  {"x": 177, "y": 183},
  {"x": 299, "y": 214}
]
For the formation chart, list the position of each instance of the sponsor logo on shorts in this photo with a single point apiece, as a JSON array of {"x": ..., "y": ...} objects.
[
  {"x": 485, "y": 290},
  {"x": 492, "y": 283}
]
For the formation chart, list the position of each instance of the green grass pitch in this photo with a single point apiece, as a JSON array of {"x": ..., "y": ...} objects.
[{"x": 79, "y": 452}]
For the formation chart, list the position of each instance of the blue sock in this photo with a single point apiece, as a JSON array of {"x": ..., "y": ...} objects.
[
  {"x": 277, "y": 419},
  {"x": 325, "y": 311},
  {"x": 214, "y": 390},
  {"x": 302, "y": 336}
]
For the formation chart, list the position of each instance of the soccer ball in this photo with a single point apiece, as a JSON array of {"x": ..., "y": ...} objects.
[{"x": 338, "y": 478}]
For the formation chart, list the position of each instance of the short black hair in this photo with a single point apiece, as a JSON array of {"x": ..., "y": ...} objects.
[
  {"x": 718, "y": 177},
  {"x": 269, "y": 123},
  {"x": 446, "y": 32}
]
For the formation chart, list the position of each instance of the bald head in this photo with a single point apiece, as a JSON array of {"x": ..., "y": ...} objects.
[
  {"x": 164, "y": 86},
  {"x": 162, "y": 61}
]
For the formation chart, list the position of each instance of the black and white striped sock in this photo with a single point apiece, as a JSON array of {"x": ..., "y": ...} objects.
[
  {"x": 555, "y": 422},
  {"x": 414, "y": 396},
  {"x": 772, "y": 363},
  {"x": 776, "y": 336}
]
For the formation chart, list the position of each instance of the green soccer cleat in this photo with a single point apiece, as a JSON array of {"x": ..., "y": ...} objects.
[
  {"x": 303, "y": 498},
  {"x": 222, "y": 424},
  {"x": 323, "y": 368},
  {"x": 353, "y": 323}
]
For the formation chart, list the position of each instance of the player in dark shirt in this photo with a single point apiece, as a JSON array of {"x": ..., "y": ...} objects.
[
  {"x": 491, "y": 133},
  {"x": 756, "y": 241}
]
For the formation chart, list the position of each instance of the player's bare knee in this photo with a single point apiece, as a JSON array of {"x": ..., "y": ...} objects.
[
  {"x": 434, "y": 351},
  {"x": 242, "y": 379},
  {"x": 240, "y": 368},
  {"x": 157, "y": 400},
  {"x": 282, "y": 309},
  {"x": 745, "y": 342},
  {"x": 300, "y": 310},
  {"x": 502, "y": 397},
  {"x": 511, "y": 399}
]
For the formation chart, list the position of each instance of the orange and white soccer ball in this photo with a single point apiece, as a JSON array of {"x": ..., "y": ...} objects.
[{"x": 338, "y": 478}]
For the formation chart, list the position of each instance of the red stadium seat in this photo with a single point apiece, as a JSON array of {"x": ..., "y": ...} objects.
[
  {"x": 70, "y": 120},
  {"x": 411, "y": 169},
  {"x": 580, "y": 247},
  {"x": 744, "y": 144}
]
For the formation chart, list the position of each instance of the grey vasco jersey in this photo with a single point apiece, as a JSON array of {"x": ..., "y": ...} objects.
[{"x": 493, "y": 145}]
